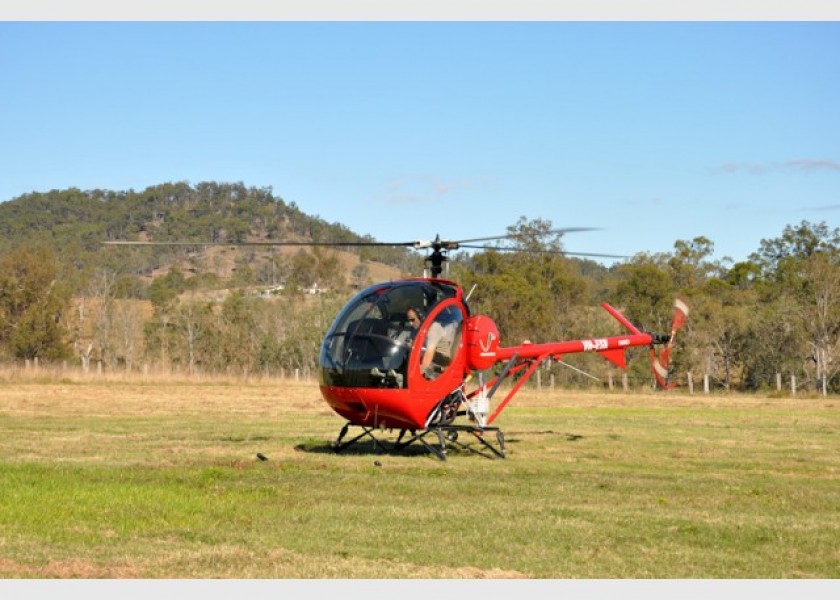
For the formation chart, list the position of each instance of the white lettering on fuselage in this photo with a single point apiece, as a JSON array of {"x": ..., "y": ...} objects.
[{"x": 590, "y": 345}]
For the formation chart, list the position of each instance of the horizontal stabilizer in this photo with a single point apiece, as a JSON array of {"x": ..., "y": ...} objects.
[{"x": 615, "y": 356}]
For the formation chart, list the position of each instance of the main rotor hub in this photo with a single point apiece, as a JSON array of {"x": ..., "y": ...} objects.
[{"x": 435, "y": 261}]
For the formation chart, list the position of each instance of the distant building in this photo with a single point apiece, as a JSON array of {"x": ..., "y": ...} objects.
[
  {"x": 273, "y": 291},
  {"x": 314, "y": 289}
]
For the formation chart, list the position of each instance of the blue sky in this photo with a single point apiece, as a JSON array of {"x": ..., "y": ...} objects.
[{"x": 651, "y": 131}]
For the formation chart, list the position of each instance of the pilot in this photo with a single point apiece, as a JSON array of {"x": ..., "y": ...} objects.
[
  {"x": 438, "y": 353},
  {"x": 413, "y": 318},
  {"x": 395, "y": 360}
]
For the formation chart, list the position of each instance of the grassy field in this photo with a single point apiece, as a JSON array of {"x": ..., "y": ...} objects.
[{"x": 158, "y": 478}]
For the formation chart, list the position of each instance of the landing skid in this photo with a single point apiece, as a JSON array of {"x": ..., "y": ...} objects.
[{"x": 444, "y": 434}]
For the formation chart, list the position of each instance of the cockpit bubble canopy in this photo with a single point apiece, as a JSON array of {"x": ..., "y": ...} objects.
[{"x": 372, "y": 332}]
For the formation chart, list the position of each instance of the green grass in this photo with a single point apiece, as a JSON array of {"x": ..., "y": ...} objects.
[{"x": 144, "y": 480}]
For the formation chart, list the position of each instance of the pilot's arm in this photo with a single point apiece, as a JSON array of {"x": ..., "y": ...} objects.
[{"x": 432, "y": 340}]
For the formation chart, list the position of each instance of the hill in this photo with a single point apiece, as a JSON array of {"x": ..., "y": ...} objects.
[{"x": 74, "y": 223}]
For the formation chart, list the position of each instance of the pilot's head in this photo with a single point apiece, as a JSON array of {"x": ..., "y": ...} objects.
[{"x": 414, "y": 316}]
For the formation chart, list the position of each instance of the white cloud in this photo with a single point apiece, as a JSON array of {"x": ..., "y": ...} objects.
[
  {"x": 802, "y": 165},
  {"x": 419, "y": 189}
]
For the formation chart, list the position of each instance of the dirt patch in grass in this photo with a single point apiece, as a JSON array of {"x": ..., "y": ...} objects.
[{"x": 67, "y": 569}]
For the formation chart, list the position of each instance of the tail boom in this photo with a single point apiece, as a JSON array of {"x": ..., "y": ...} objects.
[{"x": 612, "y": 348}]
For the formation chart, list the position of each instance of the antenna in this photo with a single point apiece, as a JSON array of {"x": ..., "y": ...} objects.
[{"x": 472, "y": 289}]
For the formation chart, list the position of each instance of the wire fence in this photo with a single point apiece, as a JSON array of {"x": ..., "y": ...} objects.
[{"x": 543, "y": 379}]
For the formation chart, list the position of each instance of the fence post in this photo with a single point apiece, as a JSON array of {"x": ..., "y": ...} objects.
[
  {"x": 778, "y": 382},
  {"x": 539, "y": 381},
  {"x": 624, "y": 381},
  {"x": 706, "y": 383},
  {"x": 690, "y": 383},
  {"x": 551, "y": 379},
  {"x": 793, "y": 384}
]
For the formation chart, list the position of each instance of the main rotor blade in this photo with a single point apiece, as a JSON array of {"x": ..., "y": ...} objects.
[
  {"x": 513, "y": 236},
  {"x": 141, "y": 243},
  {"x": 543, "y": 251}
]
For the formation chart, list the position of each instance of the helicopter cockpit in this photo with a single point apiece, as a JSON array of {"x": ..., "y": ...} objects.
[{"x": 371, "y": 340}]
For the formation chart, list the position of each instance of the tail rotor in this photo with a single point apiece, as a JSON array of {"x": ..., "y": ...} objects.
[{"x": 661, "y": 364}]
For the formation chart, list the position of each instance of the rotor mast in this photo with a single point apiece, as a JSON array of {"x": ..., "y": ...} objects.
[{"x": 437, "y": 259}]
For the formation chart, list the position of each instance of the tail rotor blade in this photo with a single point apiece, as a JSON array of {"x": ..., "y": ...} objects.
[
  {"x": 662, "y": 363},
  {"x": 660, "y": 367},
  {"x": 680, "y": 315}
]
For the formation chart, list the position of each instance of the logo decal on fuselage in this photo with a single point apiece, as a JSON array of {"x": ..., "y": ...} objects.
[{"x": 486, "y": 347}]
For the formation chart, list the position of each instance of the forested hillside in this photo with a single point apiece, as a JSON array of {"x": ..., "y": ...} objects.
[
  {"x": 66, "y": 297},
  {"x": 76, "y": 222}
]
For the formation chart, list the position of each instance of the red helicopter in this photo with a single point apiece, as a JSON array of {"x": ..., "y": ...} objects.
[
  {"x": 401, "y": 356},
  {"x": 381, "y": 372}
]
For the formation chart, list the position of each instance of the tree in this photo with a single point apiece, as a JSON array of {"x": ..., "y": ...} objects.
[
  {"x": 535, "y": 235},
  {"x": 818, "y": 296},
  {"x": 719, "y": 331},
  {"x": 646, "y": 293},
  {"x": 689, "y": 265},
  {"x": 33, "y": 303},
  {"x": 128, "y": 332},
  {"x": 796, "y": 242},
  {"x": 239, "y": 338},
  {"x": 94, "y": 321},
  {"x": 774, "y": 343},
  {"x": 803, "y": 268},
  {"x": 195, "y": 323}
]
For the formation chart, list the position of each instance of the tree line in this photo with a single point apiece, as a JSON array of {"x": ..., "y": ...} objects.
[{"x": 65, "y": 297}]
